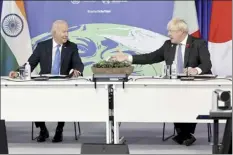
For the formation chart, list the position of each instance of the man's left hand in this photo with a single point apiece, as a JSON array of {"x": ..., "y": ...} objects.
[
  {"x": 192, "y": 71},
  {"x": 76, "y": 73}
]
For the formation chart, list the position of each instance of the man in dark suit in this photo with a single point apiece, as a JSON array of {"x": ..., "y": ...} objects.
[
  {"x": 57, "y": 56},
  {"x": 190, "y": 55}
]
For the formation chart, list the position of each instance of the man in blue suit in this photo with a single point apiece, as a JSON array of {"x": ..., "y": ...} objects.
[{"x": 57, "y": 56}]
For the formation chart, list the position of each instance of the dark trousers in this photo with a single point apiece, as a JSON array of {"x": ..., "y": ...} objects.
[
  {"x": 185, "y": 128},
  {"x": 42, "y": 125}
]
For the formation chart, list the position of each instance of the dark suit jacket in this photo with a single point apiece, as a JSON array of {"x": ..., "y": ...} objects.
[
  {"x": 70, "y": 58},
  {"x": 196, "y": 55}
]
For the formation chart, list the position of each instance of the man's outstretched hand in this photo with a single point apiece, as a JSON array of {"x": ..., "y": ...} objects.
[{"x": 120, "y": 56}]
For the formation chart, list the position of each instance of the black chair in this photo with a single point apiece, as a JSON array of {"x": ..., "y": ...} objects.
[
  {"x": 174, "y": 131},
  {"x": 3, "y": 139},
  {"x": 75, "y": 131}
]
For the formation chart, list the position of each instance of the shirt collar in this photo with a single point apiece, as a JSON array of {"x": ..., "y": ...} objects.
[
  {"x": 184, "y": 41},
  {"x": 55, "y": 44}
]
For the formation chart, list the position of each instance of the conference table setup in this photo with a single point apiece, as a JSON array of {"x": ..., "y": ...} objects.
[
  {"x": 112, "y": 99},
  {"x": 116, "y": 77},
  {"x": 76, "y": 100},
  {"x": 151, "y": 99}
]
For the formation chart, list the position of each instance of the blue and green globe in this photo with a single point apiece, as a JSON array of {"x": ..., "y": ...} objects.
[{"x": 97, "y": 42}]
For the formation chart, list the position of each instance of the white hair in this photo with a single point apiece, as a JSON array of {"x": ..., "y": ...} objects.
[
  {"x": 56, "y": 25},
  {"x": 177, "y": 24}
]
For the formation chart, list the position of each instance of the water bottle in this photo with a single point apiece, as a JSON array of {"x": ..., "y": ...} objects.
[
  {"x": 27, "y": 71},
  {"x": 174, "y": 70},
  {"x": 167, "y": 72},
  {"x": 21, "y": 72}
]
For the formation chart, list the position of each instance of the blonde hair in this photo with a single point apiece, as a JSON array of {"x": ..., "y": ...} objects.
[
  {"x": 177, "y": 24},
  {"x": 56, "y": 25}
]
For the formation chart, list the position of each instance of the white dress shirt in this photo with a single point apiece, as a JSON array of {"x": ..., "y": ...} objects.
[
  {"x": 54, "y": 52},
  {"x": 183, "y": 46}
]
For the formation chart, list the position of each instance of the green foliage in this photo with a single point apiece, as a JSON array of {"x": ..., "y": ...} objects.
[{"x": 111, "y": 64}]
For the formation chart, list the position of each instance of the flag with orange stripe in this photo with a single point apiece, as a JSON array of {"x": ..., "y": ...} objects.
[{"x": 15, "y": 38}]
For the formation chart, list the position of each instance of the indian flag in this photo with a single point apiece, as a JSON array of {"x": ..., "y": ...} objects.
[{"x": 15, "y": 43}]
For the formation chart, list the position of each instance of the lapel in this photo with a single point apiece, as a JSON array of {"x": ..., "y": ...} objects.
[
  {"x": 187, "y": 50},
  {"x": 172, "y": 53},
  {"x": 49, "y": 51},
  {"x": 63, "y": 53}
]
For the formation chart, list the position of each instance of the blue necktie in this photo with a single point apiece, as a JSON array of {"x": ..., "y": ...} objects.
[
  {"x": 180, "y": 63},
  {"x": 56, "y": 62}
]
